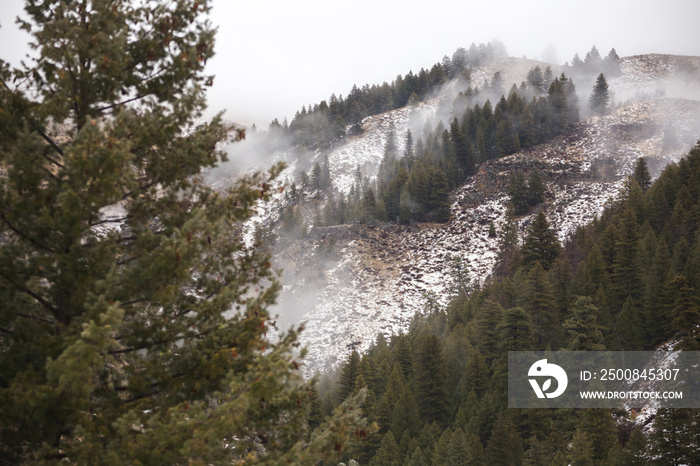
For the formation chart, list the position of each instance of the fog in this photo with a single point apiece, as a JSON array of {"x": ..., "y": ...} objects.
[
  {"x": 277, "y": 56},
  {"x": 273, "y": 57}
]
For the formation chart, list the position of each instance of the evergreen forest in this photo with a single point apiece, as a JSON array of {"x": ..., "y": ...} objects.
[
  {"x": 418, "y": 173},
  {"x": 628, "y": 281},
  {"x": 135, "y": 321}
]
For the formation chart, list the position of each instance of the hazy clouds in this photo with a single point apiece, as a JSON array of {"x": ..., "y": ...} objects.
[{"x": 275, "y": 56}]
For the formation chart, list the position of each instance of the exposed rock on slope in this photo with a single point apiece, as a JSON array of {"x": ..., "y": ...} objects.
[{"x": 350, "y": 283}]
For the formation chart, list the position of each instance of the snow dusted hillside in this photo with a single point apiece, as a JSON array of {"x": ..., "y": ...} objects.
[
  {"x": 367, "y": 150},
  {"x": 351, "y": 282},
  {"x": 381, "y": 276},
  {"x": 657, "y": 75}
]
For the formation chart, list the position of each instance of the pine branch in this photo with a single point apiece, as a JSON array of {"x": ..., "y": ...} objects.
[
  {"x": 23, "y": 235},
  {"x": 54, "y": 310},
  {"x": 123, "y": 102},
  {"x": 39, "y": 319},
  {"x": 41, "y": 133}
]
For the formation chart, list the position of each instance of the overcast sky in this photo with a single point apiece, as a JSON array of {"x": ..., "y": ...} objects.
[{"x": 275, "y": 56}]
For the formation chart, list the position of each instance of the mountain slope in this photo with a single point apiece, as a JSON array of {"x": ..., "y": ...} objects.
[
  {"x": 384, "y": 274},
  {"x": 351, "y": 282}
]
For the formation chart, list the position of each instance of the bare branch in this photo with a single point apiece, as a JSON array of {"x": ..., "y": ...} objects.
[{"x": 114, "y": 220}]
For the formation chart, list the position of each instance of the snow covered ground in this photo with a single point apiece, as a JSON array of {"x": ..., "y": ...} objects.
[
  {"x": 350, "y": 283},
  {"x": 385, "y": 274},
  {"x": 367, "y": 150}
]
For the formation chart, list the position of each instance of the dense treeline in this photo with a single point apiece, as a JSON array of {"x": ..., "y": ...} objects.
[
  {"x": 414, "y": 184},
  {"x": 443, "y": 158},
  {"x": 593, "y": 64},
  {"x": 627, "y": 281},
  {"x": 321, "y": 123}
]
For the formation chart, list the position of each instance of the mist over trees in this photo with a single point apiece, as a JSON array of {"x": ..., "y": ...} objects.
[
  {"x": 600, "y": 98},
  {"x": 319, "y": 124},
  {"x": 592, "y": 73},
  {"x": 415, "y": 185},
  {"x": 486, "y": 123}
]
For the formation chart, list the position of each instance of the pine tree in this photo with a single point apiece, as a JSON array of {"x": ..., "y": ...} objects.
[
  {"x": 368, "y": 207},
  {"x": 581, "y": 453},
  {"x": 641, "y": 174},
  {"x": 606, "y": 244},
  {"x": 541, "y": 306},
  {"x": 582, "y": 326},
  {"x": 527, "y": 129},
  {"x": 515, "y": 331},
  {"x": 599, "y": 427},
  {"x": 535, "y": 79},
  {"x": 562, "y": 283},
  {"x": 600, "y": 98},
  {"x": 492, "y": 230},
  {"x": 408, "y": 149},
  {"x": 459, "y": 273},
  {"x": 685, "y": 314},
  {"x": 559, "y": 110},
  {"x": 464, "y": 449},
  {"x": 384, "y": 410},
  {"x": 406, "y": 417},
  {"x": 441, "y": 450},
  {"x": 134, "y": 326},
  {"x": 508, "y": 242},
  {"x": 514, "y": 334},
  {"x": 611, "y": 63},
  {"x": 315, "y": 416},
  {"x": 657, "y": 293},
  {"x": 440, "y": 197},
  {"x": 535, "y": 189},
  {"x": 593, "y": 60},
  {"x": 462, "y": 152},
  {"x": 483, "y": 416},
  {"x": 630, "y": 327},
  {"x": 541, "y": 244},
  {"x": 430, "y": 380},
  {"x": 404, "y": 207},
  {"x": 417, "y": 458},
  {"x": 476, "y": 374},
  {"x": 572, "y": 101},
  {"x": 539, "y": 453},
  {"x": 636, "y": 448},
  {"x": 388, "y": 453},
  {"x": 627, "y": 271},
  {"x": 348, "y": 376},
  {"x": 518, "y": 193},
  {"x": 487, "y": 318},
  {"x": 547, "y": 76},
  {"x": 505, "y": 446},
  {"x": 673, "y": 437}
]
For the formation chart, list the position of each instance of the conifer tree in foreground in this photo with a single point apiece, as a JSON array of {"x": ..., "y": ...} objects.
[{"x": 133, "y": 320}]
